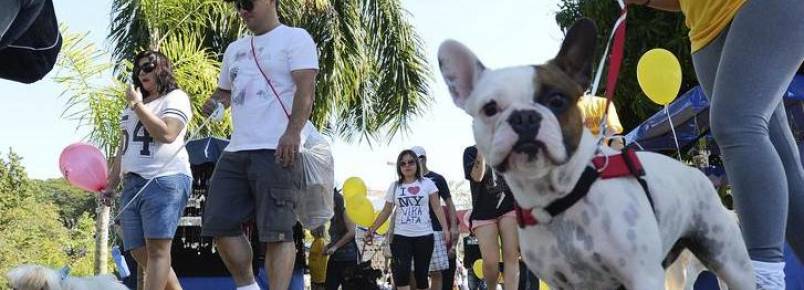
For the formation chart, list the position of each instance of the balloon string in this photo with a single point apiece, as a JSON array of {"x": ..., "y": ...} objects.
[
  {"x": 193, "y": 135},
  {"x": 673, "y": 129}
]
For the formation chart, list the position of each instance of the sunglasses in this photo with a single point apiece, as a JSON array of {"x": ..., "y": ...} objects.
[
  {"x": 146, "y": 68},
  {"x": 247, "y": 5},
  {"x": 407, "y": 163}
]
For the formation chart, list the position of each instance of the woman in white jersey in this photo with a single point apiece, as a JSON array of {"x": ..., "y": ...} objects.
[
  {"x": 412, "y": 195},
  {"x": 153, "y": 127}
]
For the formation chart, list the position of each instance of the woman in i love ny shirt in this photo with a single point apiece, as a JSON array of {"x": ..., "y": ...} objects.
[{"x": 412, "y": 196}]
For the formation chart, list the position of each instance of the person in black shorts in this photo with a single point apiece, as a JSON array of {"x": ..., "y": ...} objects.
[{"x": 492, "y": 219}]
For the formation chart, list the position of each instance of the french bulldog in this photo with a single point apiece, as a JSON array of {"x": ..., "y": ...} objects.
[{"x": 527, "y": 125}]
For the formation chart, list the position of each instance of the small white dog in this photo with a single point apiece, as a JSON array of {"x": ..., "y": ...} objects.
[{"x": 36, "y": 277}]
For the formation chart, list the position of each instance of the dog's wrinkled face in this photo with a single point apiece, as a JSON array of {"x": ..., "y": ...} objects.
[{"x": 525, "y": 119}]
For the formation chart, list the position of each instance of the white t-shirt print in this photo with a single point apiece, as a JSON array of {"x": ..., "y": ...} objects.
[
  {"x": 258, "y": 120},
  {"x": 412, "y": 202},
  {"x": 145, "y": 156}
]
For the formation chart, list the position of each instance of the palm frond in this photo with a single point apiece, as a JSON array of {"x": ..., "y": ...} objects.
[
  {"x": 373, "y": 74},
  {"x": 140, "y": 24},
  {"x": 80, "y": 65},
  {"x": 196, "y": 70}
]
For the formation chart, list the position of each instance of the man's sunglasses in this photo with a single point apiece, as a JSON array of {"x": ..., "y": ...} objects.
[
  {"x": 247, "y": 5},
  {"x": 146, "y": 68}
]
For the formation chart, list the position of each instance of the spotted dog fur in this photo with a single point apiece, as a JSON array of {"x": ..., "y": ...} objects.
[{"x": 528, "y": 127}]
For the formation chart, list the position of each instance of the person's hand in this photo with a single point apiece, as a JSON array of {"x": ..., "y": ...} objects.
[
  {"x": 447, "y": 238},
  {"x": 369, "y": 237},
  {"x": 106, "y": 197},
  {"x": 209, "y": 107},
  {"x": 617, "y": 143},
  {"x": 288, "y": 148},
  {"x": 133, "y": 95},
  {"x": 451, "y": 246},
  {"x": 330, "y": 250}
]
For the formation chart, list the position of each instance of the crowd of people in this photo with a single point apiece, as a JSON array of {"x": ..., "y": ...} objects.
[{"x": 268, "y": 81}]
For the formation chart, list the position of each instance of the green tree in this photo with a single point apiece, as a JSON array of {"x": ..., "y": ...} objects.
[
  {"x": 647, "y": 29},
  {"x": 73, "y": 203},
  {"x": 373, "y": 73},
  {"x": 31, "y": 230},
  {"x": 13, "y": 178}
]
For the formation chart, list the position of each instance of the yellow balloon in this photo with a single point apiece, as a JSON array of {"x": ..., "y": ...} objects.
[
  {"x": 477, "y": 266},
  {"x": 384, "y": 227},
  {"x": 360, "y": 211},
  {"x": 354, "y": 187},
  {"x": 659, "y": 75}
]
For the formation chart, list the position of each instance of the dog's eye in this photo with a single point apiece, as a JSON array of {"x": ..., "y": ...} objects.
[
  {"x": 490, "y": 108},
  {"x": 556, "y": 101}
]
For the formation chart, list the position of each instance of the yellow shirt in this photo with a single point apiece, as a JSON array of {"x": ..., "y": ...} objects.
[
  {"x": 707, "y": 18},
  {"x": 318, "y": 262},
  {"x": 592, "y": 109}
]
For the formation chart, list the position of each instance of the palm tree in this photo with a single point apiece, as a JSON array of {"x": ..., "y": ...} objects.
[{"x": 373, "y": 74}]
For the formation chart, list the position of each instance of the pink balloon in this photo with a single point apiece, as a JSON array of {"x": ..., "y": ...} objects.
[{"x": 84, "y": 167}]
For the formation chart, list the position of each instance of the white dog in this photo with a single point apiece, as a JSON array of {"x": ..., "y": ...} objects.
[
  {"x": 35, "y": 277},
  {"x": 580, "y": 229}
]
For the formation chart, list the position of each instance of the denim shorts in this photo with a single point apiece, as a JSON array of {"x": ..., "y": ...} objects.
[{"x": 155, "y": 213}]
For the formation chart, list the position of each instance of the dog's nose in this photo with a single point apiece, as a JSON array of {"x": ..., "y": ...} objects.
[{"x": 525, "y": 122}]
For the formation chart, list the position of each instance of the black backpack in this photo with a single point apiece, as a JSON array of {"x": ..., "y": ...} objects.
[{"x": 31, "y": 44}]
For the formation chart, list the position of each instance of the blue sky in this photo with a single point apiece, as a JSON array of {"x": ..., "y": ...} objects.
[{"x": 502, "y": 34}]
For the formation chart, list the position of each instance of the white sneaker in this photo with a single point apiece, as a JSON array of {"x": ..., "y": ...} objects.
[{"x": 769, "y": 276}]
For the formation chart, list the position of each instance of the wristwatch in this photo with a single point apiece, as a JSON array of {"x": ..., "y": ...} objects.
[{"x": 131, "y": 104}]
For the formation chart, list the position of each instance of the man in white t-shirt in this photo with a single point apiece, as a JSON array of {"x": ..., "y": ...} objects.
[{"x": 268, "y": 80}]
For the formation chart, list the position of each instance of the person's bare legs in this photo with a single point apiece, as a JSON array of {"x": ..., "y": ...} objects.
[
  {"x": 237, "y": 256},
  {"x": 142, "y": 256},
  {"x": 279, "y": 261},
  {"x": 510, "y": 250},
  {"x": 487, "y": 237},
  {"x": 158, "y": 268}
]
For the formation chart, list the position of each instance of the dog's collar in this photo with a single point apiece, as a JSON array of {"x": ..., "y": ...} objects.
[
  {"x": 64, "y": 273},
  {"x": 623, "y": 164}
]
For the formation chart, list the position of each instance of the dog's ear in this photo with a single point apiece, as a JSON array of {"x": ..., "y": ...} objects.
[
  {"x": 577, "y": 51},
  {"x": 461, "y": 70}
]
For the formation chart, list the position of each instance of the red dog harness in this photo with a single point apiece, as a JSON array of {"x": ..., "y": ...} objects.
[{"x": 621, "y": 165}]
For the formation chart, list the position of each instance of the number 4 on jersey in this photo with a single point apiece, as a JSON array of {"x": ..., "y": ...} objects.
[{"x": 140, "y": 135}]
